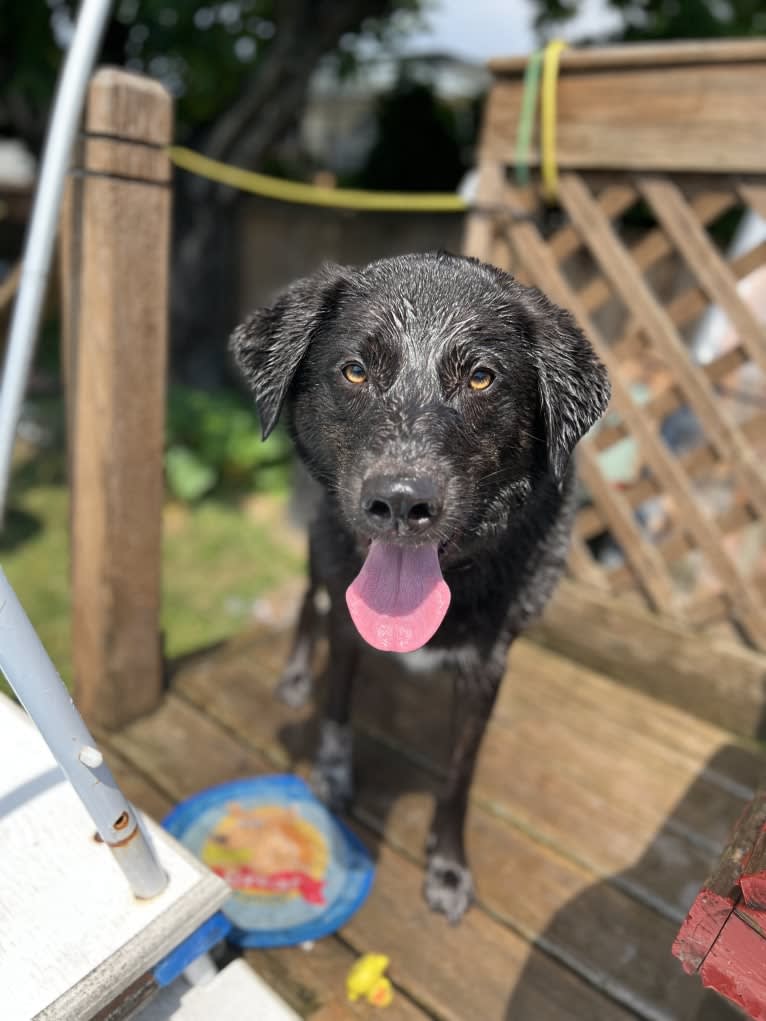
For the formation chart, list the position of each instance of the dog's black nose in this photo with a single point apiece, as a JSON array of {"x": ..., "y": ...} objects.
[{"x": 393, "y": 504}]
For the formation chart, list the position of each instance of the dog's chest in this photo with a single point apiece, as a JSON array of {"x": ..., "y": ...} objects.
[{"x": 424, "y": 661}]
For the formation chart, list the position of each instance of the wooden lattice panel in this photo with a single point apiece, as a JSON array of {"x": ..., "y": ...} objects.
[
  {"x": 683, "y": 517},
  {"x": 674, "y": 502}
]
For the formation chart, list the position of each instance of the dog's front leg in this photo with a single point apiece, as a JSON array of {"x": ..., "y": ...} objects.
[
  {"x": 295, "y": 684},
  {"x": 448, "y": 883},
  {"x": 332, "y": 776}
]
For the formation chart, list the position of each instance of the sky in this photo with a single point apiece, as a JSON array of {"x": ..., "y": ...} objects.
[{"x": 480, "y": 29}]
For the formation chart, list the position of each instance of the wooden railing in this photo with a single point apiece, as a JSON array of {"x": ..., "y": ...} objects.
[
  {"x": 115, "y": 260},
  {"x": 655, "y": 145}
]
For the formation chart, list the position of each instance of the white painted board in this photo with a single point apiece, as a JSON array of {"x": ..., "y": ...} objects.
[
  {"x": 72, "y": 935},
  {"x": 236, "y": 993}
]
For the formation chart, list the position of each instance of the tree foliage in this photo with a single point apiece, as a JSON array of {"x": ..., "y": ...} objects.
[
  {"x": 663, "y": 19},
  {"x": 421, "y": 146},
  {"x": 240, "y": 71},
  {"x": 208, "y": 54}
]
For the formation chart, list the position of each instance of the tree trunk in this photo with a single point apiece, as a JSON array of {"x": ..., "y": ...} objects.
[{"x": 204, "y": 284}]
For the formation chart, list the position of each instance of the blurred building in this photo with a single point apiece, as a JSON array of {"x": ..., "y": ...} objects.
[
  {"x": 339, "y": 128},
  {"x": 340, "y": 124}
]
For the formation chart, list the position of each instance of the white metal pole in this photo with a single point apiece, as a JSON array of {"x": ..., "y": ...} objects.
[
  {"x": 41, "y": 691},
  {"x": 38, "y": 249}
]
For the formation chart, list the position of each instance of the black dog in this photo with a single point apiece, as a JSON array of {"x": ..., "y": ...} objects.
[{"x": 437, "y": 403}]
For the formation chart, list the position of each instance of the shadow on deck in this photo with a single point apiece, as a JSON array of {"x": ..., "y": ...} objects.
[{"x": 596, "y": 814}]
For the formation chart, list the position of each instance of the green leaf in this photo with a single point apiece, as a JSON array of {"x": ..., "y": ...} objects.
[{"x": 188, "y": 477}]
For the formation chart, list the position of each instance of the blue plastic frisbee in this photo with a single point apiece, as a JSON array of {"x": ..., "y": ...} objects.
[{"x": 296, "y": 872}]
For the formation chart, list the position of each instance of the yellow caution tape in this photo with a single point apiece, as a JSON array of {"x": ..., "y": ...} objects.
[{"x": 314, "y": 195}]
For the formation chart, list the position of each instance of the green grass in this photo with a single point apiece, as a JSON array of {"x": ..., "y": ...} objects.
[
  {"x": 217, "y": 559},
  {"x": 35, "y": 557}
]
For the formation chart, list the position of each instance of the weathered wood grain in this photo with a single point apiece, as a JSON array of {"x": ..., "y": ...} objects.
[
  {"x": 615, "y": 262},
  {"x": 753, "y": 878},
  {"x": 654, "y": 245},
  {"x": 614, "y": 200},
  {"x": 735, "y": 967},
  {"x": 480, "y": 227},
  {"x": 643, "y": 557},
  {"x": 682, "y": 309},
  {"x": 116, "y": 361},
  {"x": 606, "y": 247},
  {"x": 538, "y": 820},
  {"x": 568, "y": 793},
  {"x": 313, "y": 981},
  {"x": 711, "y": 270},
  {"x": 185, "y": 750},
  {"x": 718, "y": 681},
  {"x": 393, "y": 707},
  {"x": 614, "y": 114},
  {"x": 137, "y": 788},
  {"x": 754, "y": 917},
  {"x": 478, "y": 969},
  {"x": 648, "y": 55},
  {"x": 129, "y": 106},
  {"x": 730, "y": 442}
]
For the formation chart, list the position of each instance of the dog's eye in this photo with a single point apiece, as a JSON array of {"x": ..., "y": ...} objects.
[
  {"x": 354, "y": 373},
  {"x": 481, "y": 379}
]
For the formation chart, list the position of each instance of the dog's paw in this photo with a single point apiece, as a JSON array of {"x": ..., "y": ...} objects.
[
  {"x": 448, "y": 887},
  {"x": 294, "y": 687},
  {"x": 331, "y": 778}
]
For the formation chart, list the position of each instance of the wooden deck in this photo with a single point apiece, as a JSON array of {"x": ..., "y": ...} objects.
[{"x": 596, "y": 814}]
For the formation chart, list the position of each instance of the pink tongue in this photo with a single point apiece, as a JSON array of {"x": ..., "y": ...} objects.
[{"x": 399, "y": 598}]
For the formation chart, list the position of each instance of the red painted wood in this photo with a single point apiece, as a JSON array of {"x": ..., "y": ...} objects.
[
  {"x": 754, "y": 890},
  {"x": 736, "y": 967},
  {"x": 753, "y": 881},
  {"x": 707, "y": 916},
  {"x": 754, "y": 918}
]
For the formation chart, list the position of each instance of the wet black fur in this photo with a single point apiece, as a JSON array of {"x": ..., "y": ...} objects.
[{"x": 420, "y": 324}]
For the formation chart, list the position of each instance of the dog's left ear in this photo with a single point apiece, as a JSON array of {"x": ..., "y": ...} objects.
[
  {"x": 269, "y": 345},
  {"x": 573, "y": 384}
]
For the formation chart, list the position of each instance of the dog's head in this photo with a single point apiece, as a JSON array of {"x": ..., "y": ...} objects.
[{"x": 428, "y": 393}]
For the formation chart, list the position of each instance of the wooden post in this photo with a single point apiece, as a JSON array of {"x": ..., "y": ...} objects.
[{"x": 115, "y": 246}]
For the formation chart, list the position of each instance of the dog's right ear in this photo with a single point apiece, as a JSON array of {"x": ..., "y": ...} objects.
[{"x": 269, "y": 345}]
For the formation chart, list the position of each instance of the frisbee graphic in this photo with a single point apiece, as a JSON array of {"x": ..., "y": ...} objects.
[{"x": 296, "y": 872}]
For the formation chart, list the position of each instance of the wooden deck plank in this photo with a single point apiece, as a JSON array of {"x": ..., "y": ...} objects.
[
  {"x": 395, "y": 798},
  {"x": 313, "y": 982},
  {"x": 136, "y": 788},
  {"x": 589, "y": 813},
  {"x": 478, "y": 969},
  {"x": 186, "y": 751},
  {"x": 530, "y": 887},
  {"x": 594, "y": 693},
  {"x": 716, "y": 679},
  {"x": 600, "y": 804}
]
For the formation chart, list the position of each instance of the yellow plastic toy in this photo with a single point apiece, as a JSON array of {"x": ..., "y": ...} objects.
[{"x": 366, "y": 979}]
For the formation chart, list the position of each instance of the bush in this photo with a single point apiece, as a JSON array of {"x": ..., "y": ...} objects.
[{"x": 213, "y": 444}]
